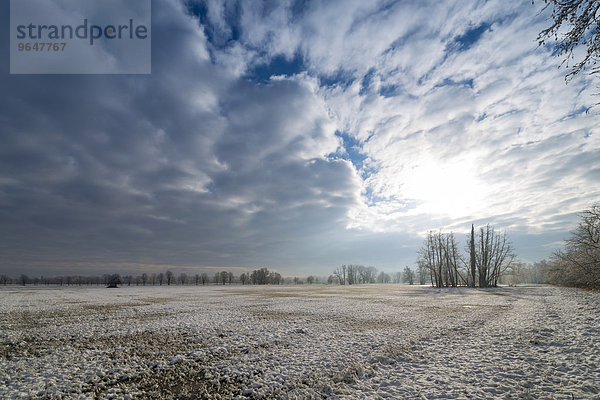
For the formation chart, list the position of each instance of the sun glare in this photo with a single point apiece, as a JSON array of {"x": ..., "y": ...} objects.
[{"x": 448, "y": 188}]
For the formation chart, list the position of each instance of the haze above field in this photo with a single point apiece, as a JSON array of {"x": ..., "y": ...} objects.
[{"x": 298, "y": 137}]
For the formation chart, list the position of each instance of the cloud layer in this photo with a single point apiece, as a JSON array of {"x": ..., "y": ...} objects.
[{"x": 298, "y": 136}]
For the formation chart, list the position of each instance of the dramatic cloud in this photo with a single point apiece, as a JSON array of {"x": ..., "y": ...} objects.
[{"x": 298, "y": 136}]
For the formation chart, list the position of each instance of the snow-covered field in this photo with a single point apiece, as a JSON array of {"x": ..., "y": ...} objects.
[{"x": 301, "y": 342}]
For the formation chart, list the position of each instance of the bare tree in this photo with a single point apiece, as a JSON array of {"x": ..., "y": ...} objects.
[
  {"x": 182, "y": 278},
  {"x": 204, "y": 278},
  {"x": 23, "y": 279},
  {"x": 408, "y": 276},
  {"x": 422, "y": 270},
  {"x": 161, "y": 278},
  {"x": 574, "y": 26},
  {"x": 384, "y": 277},
  {"x": 259, "y": 276},
  {"x": 351, "y": 274},
  {"x": 516, "y": 273},
  {"x": 362, "y": 274},
  {"x": 274, "y": 278},
  {"x": 494, "y": 254},
  {"x": 454, "y": 261},
  {"x": 366, "y": 274},
  {"x": 427, "y": 258},
  {"x": 224, "y": 277},
  {"x": 579, "y": 263},
  {"x": 244, "y": 278},
  {"x": 340, "y": 274},
  {"x": 472, "y": 257},
  {"x": 170, "y": 277}
]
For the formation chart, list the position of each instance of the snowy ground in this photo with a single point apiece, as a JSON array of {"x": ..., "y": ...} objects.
[{"x": 359, "y": 342}]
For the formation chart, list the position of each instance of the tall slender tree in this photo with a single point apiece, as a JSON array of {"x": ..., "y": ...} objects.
[{"x": 472, "y": 256}]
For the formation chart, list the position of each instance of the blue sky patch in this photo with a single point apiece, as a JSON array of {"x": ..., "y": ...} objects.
[
  {"x": 389, "y": 90},
  {"x": 366, "y": 82},
  {"x": 451, "y": 82},
  {"x": 278, "y": 65},
  {"x": 352, "y": 148},
  {"x": 466, "y": 41},
  {"x": 216, "y": 35},
  {"x": 298, "y": 9},
  {"x": 340, "y": 78}
]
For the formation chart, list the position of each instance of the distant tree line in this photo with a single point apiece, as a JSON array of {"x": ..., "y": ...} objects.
[
  {"x": 354, "y": 274},
  {"x": 578, "y": 264},
  {"x": 489, "y": 255},
  {"x": 260, "y": 276},
  {"x": 520, "y": 272}
]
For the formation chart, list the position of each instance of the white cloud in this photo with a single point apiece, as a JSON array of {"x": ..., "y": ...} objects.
[{"x": 446, "y": 150}]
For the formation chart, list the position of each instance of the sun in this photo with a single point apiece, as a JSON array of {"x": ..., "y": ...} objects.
[{"x": 441, "y": 187}]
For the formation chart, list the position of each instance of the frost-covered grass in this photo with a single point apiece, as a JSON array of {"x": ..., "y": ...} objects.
[{"x": 359, "y": 342}]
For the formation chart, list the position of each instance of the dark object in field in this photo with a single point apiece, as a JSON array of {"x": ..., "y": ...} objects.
[{"x": 114, "y": 281}]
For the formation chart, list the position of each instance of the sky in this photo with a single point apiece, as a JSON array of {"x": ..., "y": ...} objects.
[{"x": 298, "y": 136}]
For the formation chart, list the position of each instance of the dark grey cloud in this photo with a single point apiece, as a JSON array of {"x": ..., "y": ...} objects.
[{"x": 189, "y": 166}]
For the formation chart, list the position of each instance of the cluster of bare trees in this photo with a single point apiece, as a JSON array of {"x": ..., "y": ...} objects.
[
  {"x": 353, "y": 274},
  {"x": 261, "y": 276},
  {"x": 440, "y": 256},
  {"x": 578, "y": 264},
  {"x": 493, "y": 254},
  {"x": 490, "y": 254},
  {"x": 223, "y": 277}
]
